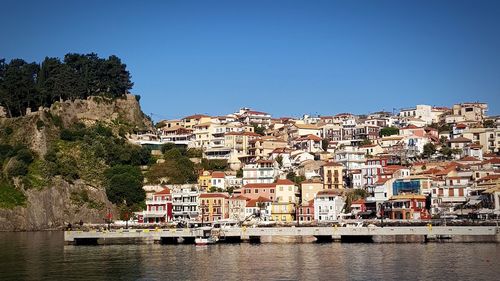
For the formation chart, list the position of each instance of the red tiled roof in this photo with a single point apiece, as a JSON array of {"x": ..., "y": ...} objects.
[
  {"x": 359, "y": 201},
  {"x": 332, "y": 164},
  {"x": 409, "y": 127},
  {"x": 461, "y": 126},
  {"x": 382, "y": 180},
  {"x": 460, "y": 139},
  {"x": 490, "y": 177},
  {"x": 469, "y": 159},
  {"x": 239, "y": 197},
  {"x": 309, "y": 137},
  {"x": 166, "y": 190},
  {"x": 260, "y": 185},
  {"x": 253, "y": 202},
  {"x": 213, "y": 195},
  {"x": 251, "y": 134},
  {"x": 218, "y": 175},
  {"x": 285, "y": 182},
  {"x": 196, "y": 116}
]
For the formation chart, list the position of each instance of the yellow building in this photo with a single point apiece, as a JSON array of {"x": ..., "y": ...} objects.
[
  {"x": 192, "y": 120},
  {"x": 310, "y": 188},
  {"x": 264, "y": 146},
  {"x": 205, "y": 180},
  {"x": 239, "y": 142},
  {"x": 332, "y": 176},
  {"x": 283, "y": 211},
  {"x": 286, "y": 191},
  {"x": 214, "y": 206}
]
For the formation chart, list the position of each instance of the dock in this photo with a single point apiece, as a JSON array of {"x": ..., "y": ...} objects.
[{"x": 400, "y": 234}]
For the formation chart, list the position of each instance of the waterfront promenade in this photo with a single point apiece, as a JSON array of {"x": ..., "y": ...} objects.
[{"x": 372, "y": 234}]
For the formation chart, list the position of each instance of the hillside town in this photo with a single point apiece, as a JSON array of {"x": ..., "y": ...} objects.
[{"x": 417, "y": 164}]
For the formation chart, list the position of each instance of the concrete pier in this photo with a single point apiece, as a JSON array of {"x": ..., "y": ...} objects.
[{"x": 402, "y": 234}]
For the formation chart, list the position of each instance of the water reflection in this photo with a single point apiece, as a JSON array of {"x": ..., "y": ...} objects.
[{"x": 42, "y": 256}]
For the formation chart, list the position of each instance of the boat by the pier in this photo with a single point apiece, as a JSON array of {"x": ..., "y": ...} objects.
[{"x": 205, "y": 236}]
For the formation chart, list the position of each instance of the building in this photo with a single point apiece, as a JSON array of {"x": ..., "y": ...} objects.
[
  {"x": 305, "y": 211},
  {"x": 308, "y": 143},
  {"x": 406, "y": 207},
  {"x": 263, "y": 171},
  {"x": 218, "y": 180},
  {"x": 350, "y": 157},
  {"x": 309, "y": 189},
  {"x": 256, "y": 190},
  {"x": 283, "y": 211},
  {"x": 264, "y": 146},
  {"x": 205, "y": 180},
  {"x": 240, "y": 142},
  {"x": 185, "y": 202},
  {"x": 259, "y": 208},
  {"x": 237, "y": 207},
  {"x": 471, "y": 111},
  {"x": 286, "y": 191},
  {"x": 332, "y": 175},
  {"x": 488, "y": 138},
  {"x": 214, "y": 206},
  {"x": 189, "y": 122},
  {"x": 158, "y": 208},
  {"x": 177, "y": 135},
  {"x": 328, "y": 205}
]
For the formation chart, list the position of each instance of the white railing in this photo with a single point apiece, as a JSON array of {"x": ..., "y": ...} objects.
[{"x": 157, "y": 202}]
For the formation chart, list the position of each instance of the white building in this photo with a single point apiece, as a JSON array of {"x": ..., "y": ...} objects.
[
  {"x": 328, "y": 205},
  {"x": 350, "y": 157},
  {"x": 218, "y": 180},
  {"x": 185, "y": 202},
  {"x": 263, "y": 171}
]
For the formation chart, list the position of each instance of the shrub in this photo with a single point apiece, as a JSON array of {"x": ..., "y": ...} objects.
[
  {"x": 40, "y": 124},
  {"x": 16, "y": 168}
]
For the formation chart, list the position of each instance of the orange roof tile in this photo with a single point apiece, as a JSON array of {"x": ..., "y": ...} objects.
[{"x": 166, "y": 190}]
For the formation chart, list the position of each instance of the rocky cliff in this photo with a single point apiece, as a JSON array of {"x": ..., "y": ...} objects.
[
  {"x": 54, "y": 203},
  {"x": 56, "y": 206}
]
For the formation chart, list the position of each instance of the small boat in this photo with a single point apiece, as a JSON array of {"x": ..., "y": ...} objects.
[
  {"x": 200, "y": 241},
  {"x": 204, "y": 236}
]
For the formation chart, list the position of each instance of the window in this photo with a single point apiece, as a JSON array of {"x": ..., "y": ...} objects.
[
  {"x": 256, "y": 191},
  {"x": 281, "y": 188}
]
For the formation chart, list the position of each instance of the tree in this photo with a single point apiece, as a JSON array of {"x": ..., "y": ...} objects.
[
  {"x": 389, "y": 131},
  {"x": 259, "y": 129},
  {"x": 31, "y": 85},
  {"x": 296, "y": 179},
  {"x": 124, "y": 184},
  {"x": 429, "y": 149},
  {"x": 490, "y": 123},
  {"x": 279, "y": 160},
  {"x": 354, "y": 195},
  {"x": 365, "y": 142},
  {"x": 324, "y": 144}
]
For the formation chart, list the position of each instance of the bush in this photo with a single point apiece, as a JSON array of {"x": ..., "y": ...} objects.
[
  {"x": 16, "y": 168},
  {"x": 124, "y": 184},
  {"x": 6, "y": 151},
  {"x": 8, "y": 131},
  {"x": 10, "y": 196},
  {"x": 25, "y": 155}
]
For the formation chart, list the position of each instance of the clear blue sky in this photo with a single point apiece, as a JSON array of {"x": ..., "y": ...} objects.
[{"x": 284, "y": 57}]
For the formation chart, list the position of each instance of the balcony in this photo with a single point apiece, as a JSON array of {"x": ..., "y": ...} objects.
[
  {"x": 154, "y": 214},
  {"x": 157, "y": 202}
]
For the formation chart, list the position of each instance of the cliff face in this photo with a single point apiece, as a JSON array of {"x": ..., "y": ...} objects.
[
  {"x": 55, "y": 206},
  {"x": 60, "y": 202}
]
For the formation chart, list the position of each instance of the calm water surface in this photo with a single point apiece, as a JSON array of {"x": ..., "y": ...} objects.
[{"x": 42, "y": 256}]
